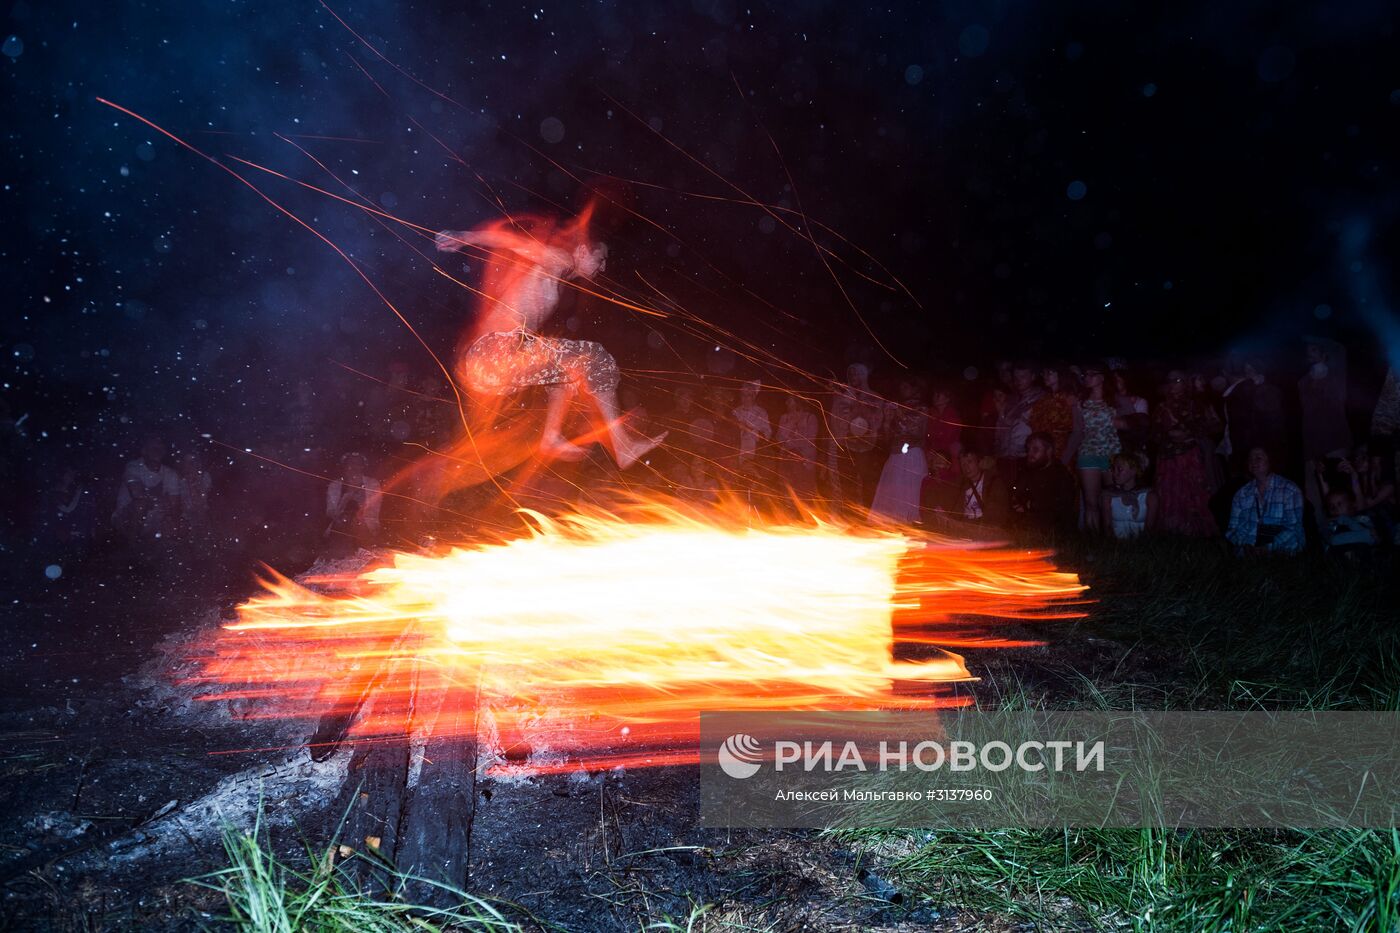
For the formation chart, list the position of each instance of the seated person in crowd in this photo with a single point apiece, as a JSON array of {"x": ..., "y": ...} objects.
[
  {"x": 1371, "y": 473},
  {"x": 1129, "y": 508},
  {"x": 66, "y": 512},
  {"x": 1266, "y": 516},
  {"x": 1046, "y": 496},
  {"x": 984, "y": 497},
  {"x": 352, "y": 505},
  {"x": 1347, "y": 532}
]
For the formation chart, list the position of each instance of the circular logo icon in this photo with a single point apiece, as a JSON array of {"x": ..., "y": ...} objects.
[{"x": 739, "y": 755}]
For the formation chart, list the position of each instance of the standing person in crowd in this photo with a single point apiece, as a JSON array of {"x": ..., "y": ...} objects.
[
  {"x": 755, "y": 429},
  {"x": 1014, "y": 424},
  {"x": 1266, "y": 516},
  {"x": 853, "y": 460},
  {"x": 702, "y": 437},
  {"x": 797, "y": 446},
  {"x": 676, "y": 456},
  {"x": 1322, "y": 397},
  {"x": 943, "y": 447},
  {"x": 1265, "y": 424},
  {"x": 1385, "y": 420},
  {"x": 149, "y": 498},
  {"x": 985, "y": 497},
  {"x": 1181, "y": 426},
  {"x": 697, "y": 448},
  {"x": 1237, "y": 403},
  {"x": 1204, "y": 393},
  {"x": 997, "y": 400},
  {"x": 1129, "y": 508},
  {"x": 683, "y": 413},
  {"x": 994, "y": 400},
  {"x": 718, "y": 434},
  {"x": 898, "y": 494},
  {"x": 1006, "y": 375},
  {"x": 352, "y": 506},
  {"x": 695, "y": 456},
  {"x": 1100, "y": 441},
  {"x": 1057, "y": 415},
  {"x": 1134, "y": 423},
  {"x": 1045, "y": 498}
]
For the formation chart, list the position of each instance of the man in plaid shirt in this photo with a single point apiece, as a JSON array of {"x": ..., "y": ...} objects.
[{"x": 1266, "y": 515}]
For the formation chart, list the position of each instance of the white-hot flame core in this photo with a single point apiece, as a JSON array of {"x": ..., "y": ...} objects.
[{"x": 671, "y": 605}]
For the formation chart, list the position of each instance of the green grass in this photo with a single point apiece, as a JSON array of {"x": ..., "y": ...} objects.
[
  {"x": 1216, "y": 633},
  {"x": 1286, "y": 633},
  {"x": 265, "y": 895},
  {"x": 1156, "y": 880}
]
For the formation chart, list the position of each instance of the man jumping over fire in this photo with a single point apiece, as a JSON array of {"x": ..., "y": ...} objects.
[{"x": 506, "y": 353}]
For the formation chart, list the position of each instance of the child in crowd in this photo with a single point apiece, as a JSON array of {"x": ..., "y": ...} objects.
[
  {"x": 1129, "y": 508},
  {"x": 1347, "y": 532}
]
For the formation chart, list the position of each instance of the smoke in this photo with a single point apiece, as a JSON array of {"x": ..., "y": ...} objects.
[
  {"x": 1360, "y": 273},
  {"x": 160, "y": 291},
  {"x": 945, "y": 140}
]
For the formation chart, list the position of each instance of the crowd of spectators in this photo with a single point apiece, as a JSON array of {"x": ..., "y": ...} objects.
[
  {"x": 310, "y": 487},
  {"x": 1096, "y": 448}
]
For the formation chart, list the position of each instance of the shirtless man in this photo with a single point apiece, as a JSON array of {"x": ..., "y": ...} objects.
[{"x": 507, "y": 354}]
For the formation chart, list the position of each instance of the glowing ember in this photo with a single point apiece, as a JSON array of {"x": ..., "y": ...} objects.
[{"x": 605, "y": 636}]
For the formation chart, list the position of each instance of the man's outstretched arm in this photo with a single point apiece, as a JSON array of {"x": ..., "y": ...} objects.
[{"x": 451, "y": 241}]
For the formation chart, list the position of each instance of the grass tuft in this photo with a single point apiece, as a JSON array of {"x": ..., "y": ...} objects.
[
  {"x": 265, "y": 895},
  {"x": 1164, "y": 880}
]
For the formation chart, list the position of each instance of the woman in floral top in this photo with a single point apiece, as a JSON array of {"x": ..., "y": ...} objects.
[
  {"x": 1057, "y": 413},
  {"x": 1099, "y": 443}
]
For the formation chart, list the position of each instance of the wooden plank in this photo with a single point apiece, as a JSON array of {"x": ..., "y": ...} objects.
[
  {"x": 374, "y": 793},
  {"x": 434, "y": 842}
]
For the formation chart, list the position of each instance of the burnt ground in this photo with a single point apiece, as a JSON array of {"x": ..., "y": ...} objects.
[{"x": 115, "y": 790}]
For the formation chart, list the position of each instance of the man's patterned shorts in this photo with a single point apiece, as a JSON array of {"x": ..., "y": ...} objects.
[{"x": 507, "y": 361}]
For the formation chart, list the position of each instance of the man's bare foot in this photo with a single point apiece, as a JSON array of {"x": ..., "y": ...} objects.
[
  {"x": 631, "y": 450},
  {"x": 556, "y": 448}
]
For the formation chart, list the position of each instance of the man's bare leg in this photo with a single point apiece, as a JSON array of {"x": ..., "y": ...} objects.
[
  {"x": 552, "y": 442},
  {"x": 627, "y": 447}
]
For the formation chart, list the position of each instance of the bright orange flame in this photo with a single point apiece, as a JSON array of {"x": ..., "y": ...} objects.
[{"x": 603, "y": 636}]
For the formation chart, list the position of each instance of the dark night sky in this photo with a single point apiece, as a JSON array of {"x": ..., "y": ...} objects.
[{"x": 1045, "y": 178}]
